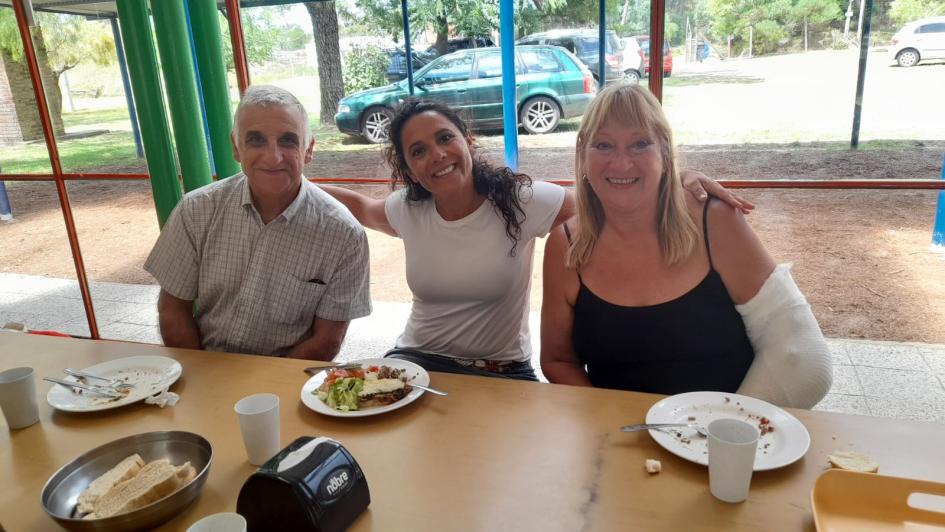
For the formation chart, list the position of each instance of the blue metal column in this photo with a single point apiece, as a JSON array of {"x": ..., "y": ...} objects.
[
  {"x": 861, "y": 73},
  {"x": 6, "y": 213},
  {"x": 938, "y": 233},
  {"x": 200, "y": 96},
  {"x": 509, "y": 100},
  {"x": 601, "y": 49},
  {"x": 407, "y": 47},
  {"x": 126, "y": 83}
]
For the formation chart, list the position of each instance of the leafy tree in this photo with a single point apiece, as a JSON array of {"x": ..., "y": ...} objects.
[
  {"x": 816, "y": 12},
  {"x": 763, "y": 24},
  {"x": 69, "y": 40},
  {"x": 904, "y": 11},
  {"x": 365, "y": 67},
  {"x": 61, "y": 42},
  {"x": 444, "y": 17},
  {"x": 383, "y": 16},
  {"x": 263, "y": 35}
]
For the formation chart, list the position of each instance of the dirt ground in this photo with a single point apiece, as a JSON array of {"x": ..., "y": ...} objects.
[{"x": 861, "y": 256}]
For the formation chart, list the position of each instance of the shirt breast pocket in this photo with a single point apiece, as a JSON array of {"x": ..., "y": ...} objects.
[{"x": 294, "y": 301}]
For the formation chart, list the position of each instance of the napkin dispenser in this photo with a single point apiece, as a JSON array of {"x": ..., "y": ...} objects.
[{"x": 313, "y": 484}]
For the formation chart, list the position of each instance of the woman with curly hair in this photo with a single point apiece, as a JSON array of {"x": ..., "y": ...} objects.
[{"x": 469, "y": 231}]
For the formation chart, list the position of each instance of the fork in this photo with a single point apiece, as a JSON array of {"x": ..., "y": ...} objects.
[
  {"x": 101, "y": 390},
  {"x": 662, "y": 426},
  {"x": 114, "y": 383},
  {"x": 427, "y": 388}
]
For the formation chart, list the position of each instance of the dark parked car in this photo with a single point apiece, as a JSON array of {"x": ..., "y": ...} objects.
[
  {"x": 585, "y": 44},
  {"x": 644, "y": 41},
  {"x": 551, "y": 84},
  {"x": 397, "y": 70}
]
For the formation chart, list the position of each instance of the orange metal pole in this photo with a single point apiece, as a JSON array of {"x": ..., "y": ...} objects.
[
  {"x": 30, "y": 54},
  {"x": 236, "y": 40},
  {"x": 657, "y": 22}
]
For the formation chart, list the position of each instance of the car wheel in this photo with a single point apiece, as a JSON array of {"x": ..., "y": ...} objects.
[
  {"x": 907, "y": 58},
  {"x": 540, "y": 115},
  {"x": 632, "y": 76},
  {"x": 375, "y": 123}
]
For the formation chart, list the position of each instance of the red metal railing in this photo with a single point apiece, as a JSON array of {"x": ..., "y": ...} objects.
[
  {"x": 239, "y": 46},
  {"x": 30, "y": 54}
]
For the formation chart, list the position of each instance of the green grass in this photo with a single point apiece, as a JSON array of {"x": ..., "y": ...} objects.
[
  {"x": 114, "y": 118},
  {"x": 116, "y": 149},
  {"x": 110, "y": 149}
]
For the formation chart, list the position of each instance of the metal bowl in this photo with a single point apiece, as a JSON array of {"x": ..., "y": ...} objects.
[{"x": 63, "y": 488}]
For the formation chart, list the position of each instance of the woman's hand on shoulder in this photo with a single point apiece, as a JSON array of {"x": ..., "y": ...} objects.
[
  {"x": 368, "y": 211},
  {"x": 700, "y": 186},
  {"x": 738, "y": 254}
]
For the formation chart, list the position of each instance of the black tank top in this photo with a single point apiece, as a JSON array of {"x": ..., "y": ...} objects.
[{"x": 696, "y": 342}]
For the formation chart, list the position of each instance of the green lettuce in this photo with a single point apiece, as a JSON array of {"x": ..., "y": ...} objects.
[{"x": 343, "y": 394}]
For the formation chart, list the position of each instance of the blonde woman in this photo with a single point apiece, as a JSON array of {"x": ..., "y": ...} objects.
[{"x": 646, "y": 289}]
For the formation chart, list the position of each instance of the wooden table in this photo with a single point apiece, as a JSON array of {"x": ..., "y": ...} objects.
[{"x": 494, "y": 455}]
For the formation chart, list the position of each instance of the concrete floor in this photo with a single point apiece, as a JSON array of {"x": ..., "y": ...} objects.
[{"x": 884, "y": 379}]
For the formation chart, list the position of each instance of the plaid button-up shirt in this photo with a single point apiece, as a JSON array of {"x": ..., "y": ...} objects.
[{"x": 258, "y": 287}]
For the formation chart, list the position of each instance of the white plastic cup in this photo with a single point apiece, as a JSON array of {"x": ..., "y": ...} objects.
[
  {"x": 259, "y": 424},
  {"x": 221, "y": 522},
  {"x": 18, "y": 397},
  {"x": 732, "y": 446}
]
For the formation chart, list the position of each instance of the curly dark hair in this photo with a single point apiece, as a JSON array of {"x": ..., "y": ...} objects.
[{"x": 502, "y": 186}]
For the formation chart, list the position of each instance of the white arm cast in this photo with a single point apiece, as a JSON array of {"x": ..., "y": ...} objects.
[{"x": 792, "y": 366}]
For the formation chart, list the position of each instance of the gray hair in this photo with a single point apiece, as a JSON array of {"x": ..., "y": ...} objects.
[{"x": 266, "y": 95}]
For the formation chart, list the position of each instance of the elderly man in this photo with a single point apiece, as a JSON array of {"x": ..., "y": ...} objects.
[{"x": 262, "y": 262}]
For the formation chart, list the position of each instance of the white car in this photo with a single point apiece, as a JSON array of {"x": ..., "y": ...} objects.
[
  {"x": 632, "y": 60},
  {"x": 919, "y": 41}
]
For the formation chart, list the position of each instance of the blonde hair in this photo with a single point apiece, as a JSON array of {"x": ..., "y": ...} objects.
[{"x": 632, "y": 106}]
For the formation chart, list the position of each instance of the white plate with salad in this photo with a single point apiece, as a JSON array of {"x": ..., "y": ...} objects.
[{"x": 378, "y": 386}]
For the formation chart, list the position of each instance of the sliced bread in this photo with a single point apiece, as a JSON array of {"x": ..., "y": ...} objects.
[
  {"x": 125, "y": 469},
  {"x": 852, "y": 461},
  {"x": 155, "y": 481}
]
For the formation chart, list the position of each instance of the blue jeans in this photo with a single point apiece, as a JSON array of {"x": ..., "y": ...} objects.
[{"x": 430, "y": 362}]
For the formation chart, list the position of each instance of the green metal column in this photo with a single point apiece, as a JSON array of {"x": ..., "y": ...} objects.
[
  {"x": 170, "y": 23},
  {"x": 216, "y": 96},
  {"x": 149, "y": 102}
]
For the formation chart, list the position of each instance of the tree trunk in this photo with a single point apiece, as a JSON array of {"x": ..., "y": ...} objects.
[
  {"x": 751, "y": 39},
  {"x": 50, "y": 82},
  {"x": 805, "y": 33},
  {"x": 330, "y": 81},
  {"x": 442, "y": 35}
]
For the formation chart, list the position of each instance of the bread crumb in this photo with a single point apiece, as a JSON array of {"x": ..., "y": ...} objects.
[{"x": 653, "y": 466}]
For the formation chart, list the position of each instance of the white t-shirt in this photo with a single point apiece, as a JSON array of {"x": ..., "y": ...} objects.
[{"x": 470, "y": 296}]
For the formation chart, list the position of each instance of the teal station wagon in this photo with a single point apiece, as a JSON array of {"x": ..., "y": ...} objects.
[{"x": 551, "y": 84}]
